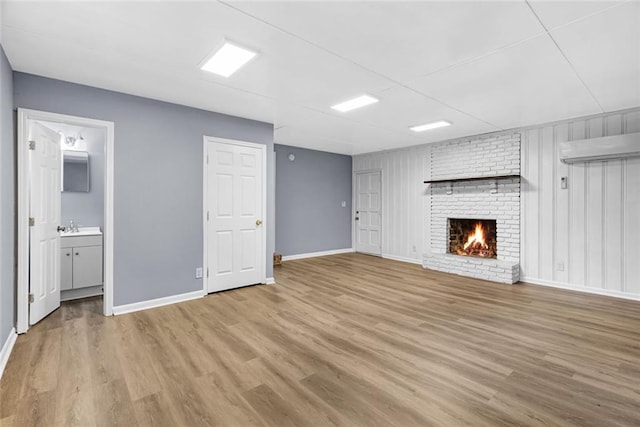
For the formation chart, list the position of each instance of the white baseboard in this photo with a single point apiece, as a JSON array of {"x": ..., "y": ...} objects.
[
  {"x": 6, "y": 349},
  {"x": 402, "y": 259},
  {"x": 270, "y": 281},
  {"x": 315, "y": 254},
  {"x": 158, "y": 302},
  {"x": 559, "y": 285}
]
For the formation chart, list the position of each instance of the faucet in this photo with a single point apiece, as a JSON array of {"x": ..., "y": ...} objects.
[{"x": 73, "y": 228}]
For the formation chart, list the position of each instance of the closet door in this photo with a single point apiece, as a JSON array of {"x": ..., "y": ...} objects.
[{"x": 235, "y": 203}]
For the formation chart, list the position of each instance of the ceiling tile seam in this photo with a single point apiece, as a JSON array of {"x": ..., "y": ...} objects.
[
  {"x": 449, "y": 106},
  {"x": 477, "y": 58},
  {"x": 575, "y": 71},
  {"x": 513, "y": 44},
  {"x": 341, "y": 117},
  {"x": 325, "y": 138},
  {"x": 393, "y": 81},
  {"x": 587, "y": 16},
  {"x": 315, "y": 110}
]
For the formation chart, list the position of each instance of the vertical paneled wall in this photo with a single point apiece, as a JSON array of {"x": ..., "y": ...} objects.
[
  {"x": 585, "y": 237},
  {"x": 405, "y": 215},
  {"x": 588, "y": 235}
]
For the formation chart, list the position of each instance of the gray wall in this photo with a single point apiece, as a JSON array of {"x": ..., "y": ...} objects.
[
  {"x": 87, "y": 209},
  {"x": 158, "y": 180},
  {"x": 309, "y": 193},
  {"x": 7, "y": 201}
]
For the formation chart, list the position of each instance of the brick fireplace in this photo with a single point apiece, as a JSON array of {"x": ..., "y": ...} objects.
[{"x": 490, "y": 199}]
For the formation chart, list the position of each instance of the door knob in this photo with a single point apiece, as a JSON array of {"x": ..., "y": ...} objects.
[
  {"x": 61, "y": 228},
  {"x": 258, "y": 222}
]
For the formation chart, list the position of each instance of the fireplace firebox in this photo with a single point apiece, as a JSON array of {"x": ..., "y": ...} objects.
[{"x": 473, "y": 237}]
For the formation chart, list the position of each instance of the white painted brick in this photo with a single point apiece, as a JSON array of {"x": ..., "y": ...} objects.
[{"x": 495, "y": 155}]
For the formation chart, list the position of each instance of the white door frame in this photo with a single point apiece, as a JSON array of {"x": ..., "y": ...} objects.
[
  {"x": 205, "y": 204},
  {"x": 24, "y": 116},
  {"x": 354, "y": 204}
]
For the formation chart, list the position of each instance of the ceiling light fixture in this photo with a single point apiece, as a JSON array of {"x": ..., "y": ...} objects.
[
  {"x": 228, "y": 59},
  {"x": 429, "y": 126},
  {"x": 354, "y": 103}
]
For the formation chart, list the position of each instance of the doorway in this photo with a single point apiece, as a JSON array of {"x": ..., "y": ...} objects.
[
  {"x": 47, "y": 143},
  {"x": 234, "y": 207},
  {"x": 368, "y": 219}
]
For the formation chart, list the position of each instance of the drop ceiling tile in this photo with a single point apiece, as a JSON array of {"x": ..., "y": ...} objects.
[
  {"x": 605, "y": 50},
  {"x": 364, "y": 137},
  {"x": 104, "y": 27},
  {"x": 296, "y": 137},
  {"x": 525, "y": 84},
  {"x": 291, "y": 70},
  {"x": 401, "y": 107},
  {"x": 287, "y": 68},
  {"x": 402, "y": 40},
  {"x": 556, "y": 13},
  {"x": 135, "y": 78}
]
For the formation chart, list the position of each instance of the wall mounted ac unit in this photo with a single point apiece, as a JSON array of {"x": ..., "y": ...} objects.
[{"x": 605, "y": 148}]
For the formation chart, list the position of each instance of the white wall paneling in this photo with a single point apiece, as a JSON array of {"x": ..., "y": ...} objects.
[
  {"x": 405, "y": 217},
  {"x": 584, "y": 237}
]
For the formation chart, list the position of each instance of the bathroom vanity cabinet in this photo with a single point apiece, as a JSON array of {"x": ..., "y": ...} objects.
[{"x": 80, "y": 261}]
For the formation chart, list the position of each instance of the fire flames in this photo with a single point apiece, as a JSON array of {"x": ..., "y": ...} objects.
[
  {"x": 476, "y": 240},
  {"x": 476, "y": 244}
]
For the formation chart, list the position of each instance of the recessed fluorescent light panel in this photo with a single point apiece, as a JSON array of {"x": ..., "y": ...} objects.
[
  {"x": 354, "y": 103},
  {"x": 429, "y": 126},
  {"x": 228, "y": 59}
]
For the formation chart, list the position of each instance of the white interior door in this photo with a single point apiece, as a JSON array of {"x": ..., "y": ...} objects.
[
  {"x": 235, "y": 203},
  {"x": 368, "y": 213},
  {"x": 44, "y": 208}
]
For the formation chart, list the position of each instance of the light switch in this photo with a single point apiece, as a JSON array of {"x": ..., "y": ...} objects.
[
  {"x": 563, "y": 183},
  {"x": 344, "y": 204}
]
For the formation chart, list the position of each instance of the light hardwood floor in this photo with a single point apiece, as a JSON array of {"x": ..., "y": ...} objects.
[{"x": 340, "y": 340}]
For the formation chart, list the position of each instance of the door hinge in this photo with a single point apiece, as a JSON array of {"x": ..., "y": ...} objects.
[
  {"x": 207, "y": 159},
  {"x": 32, "y": 221},
  {"x": 31, "y": 298},
  {"x": 32, "y": 145},
  {"x": 207, "y": 271},
  {"x": 207, "y": 215}
]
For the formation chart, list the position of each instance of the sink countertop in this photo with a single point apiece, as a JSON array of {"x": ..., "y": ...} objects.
[{"x": 82, "y": 231}]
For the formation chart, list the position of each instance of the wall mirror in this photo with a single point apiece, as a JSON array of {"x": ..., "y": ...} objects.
[{"x": 75, "y": 171}]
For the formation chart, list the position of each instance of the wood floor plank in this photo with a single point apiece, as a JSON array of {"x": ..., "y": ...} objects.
[
  {"x": 74, "y": 392},
  {"x": 344, "y": 340},
  {"x": 154, "y": 410},
  {"x": 272, "y": 408},
  {"x": 113, "y": 405}
]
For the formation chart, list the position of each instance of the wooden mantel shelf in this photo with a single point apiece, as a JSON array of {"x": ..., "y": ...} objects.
[{"x": 473, "y": 178}]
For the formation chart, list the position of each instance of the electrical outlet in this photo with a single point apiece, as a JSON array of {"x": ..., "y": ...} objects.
[
  {"x": 560, "y": 266},
  {"x": 199, "y": 273},
  {"x": 344, "y": 204},
  {"x": 413, "y": 248}
]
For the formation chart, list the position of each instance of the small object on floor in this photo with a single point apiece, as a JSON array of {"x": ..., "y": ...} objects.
[{"x": 277, "y": 260}]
